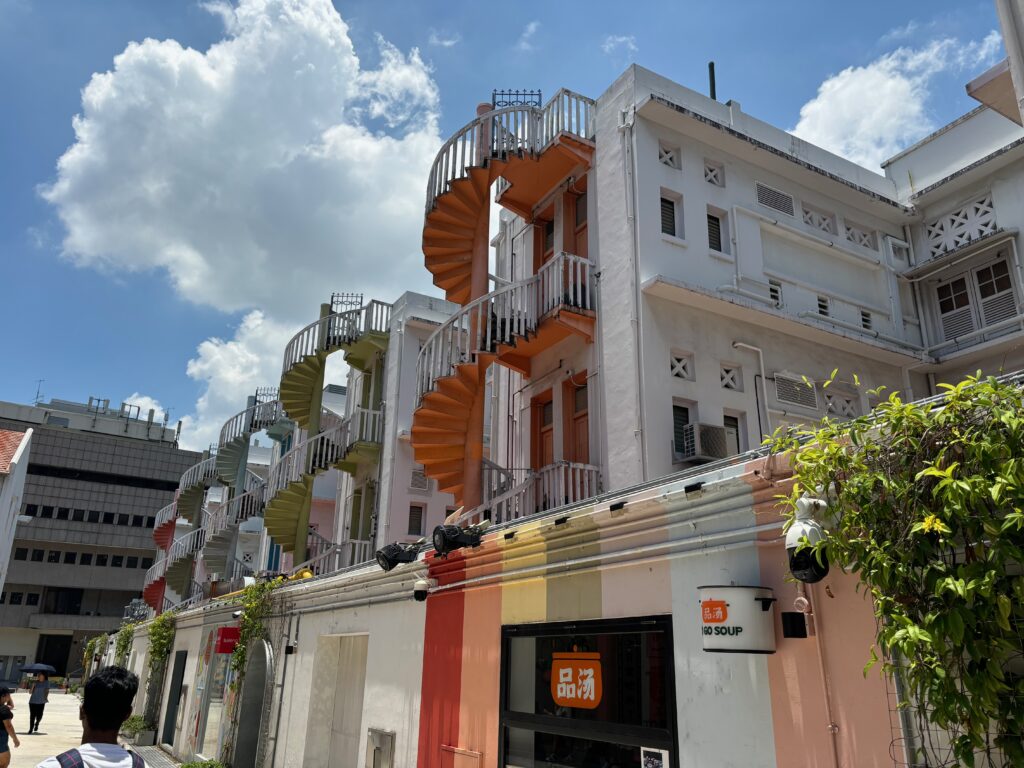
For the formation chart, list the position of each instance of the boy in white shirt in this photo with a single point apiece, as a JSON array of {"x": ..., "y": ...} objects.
[{"x": 106, "y": 704}]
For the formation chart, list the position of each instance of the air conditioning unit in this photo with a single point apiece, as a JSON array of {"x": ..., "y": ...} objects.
[{"x": 701, "y": 442}]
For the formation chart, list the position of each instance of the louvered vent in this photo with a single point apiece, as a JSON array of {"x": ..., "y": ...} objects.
[
  {"x": 957, "y": 323},
  {"x": 998, "y": 308},
  {"x": 418, "y": 481},
  {"x": 714, "y": 232},
  {"x": 668, "y": 216},
  {"x": 795, "y": 392},
  {"x": 772, "y": 198}
]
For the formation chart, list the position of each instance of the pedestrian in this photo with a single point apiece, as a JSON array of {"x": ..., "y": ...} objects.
[
  {"x": 106, "y": 703},
  {"x": 7, "y": 734},
  {"x": 37, "y": 701}
]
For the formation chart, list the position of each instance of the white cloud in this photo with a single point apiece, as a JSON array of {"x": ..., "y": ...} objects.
[
  {"x": 869, "y": 113},
  {"x": 525, "y": 42},
  {"x": 258, "y": 175},
  {"x": 900, "y": 33},
  {"x": 145, "y": 403},
  {"x": 444, "y": 40},
  {"x": 614, "y": 43}
]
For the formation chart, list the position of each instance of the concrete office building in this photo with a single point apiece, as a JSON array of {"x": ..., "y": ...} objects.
[{"x": 95, "y": 477}]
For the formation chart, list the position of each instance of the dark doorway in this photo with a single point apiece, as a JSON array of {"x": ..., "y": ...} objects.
[
  {"x": 54, "y": 650},
  {"x": 174, "y": 697},
  {"x": 258, "y": 673}
]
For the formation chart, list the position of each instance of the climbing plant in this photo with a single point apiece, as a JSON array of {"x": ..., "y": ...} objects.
[
  {"x": 91, "y": 650},
  {"x": 123, "y": 642},
  {"x": 256, "y": 605},
  {"x": 925, "y": 508},
  {"x": 161, "y": 640}
]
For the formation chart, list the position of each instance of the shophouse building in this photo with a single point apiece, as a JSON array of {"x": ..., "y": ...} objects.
[{"x": 95, "y": 478}]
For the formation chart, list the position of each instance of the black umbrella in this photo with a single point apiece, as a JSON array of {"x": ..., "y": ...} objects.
[{"x": 45, "y": 668}]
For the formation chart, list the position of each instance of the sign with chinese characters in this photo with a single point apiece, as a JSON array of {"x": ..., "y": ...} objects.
[
  {"x": 227, "y": 639},
  {"x": 737, "y": 619},
  {"x": 576, "y": 679}
]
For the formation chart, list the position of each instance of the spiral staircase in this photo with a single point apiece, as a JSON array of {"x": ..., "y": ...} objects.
[
  {"x": 529, "y": 149},
  {"x": 357, "y": 331},
  {"x": 180, "y": 559},
  {"x": 221, "y": 524},
  {"x": 153, "y": 585},
  {"x": 193, "y": 486},
  {"x": 290, "y": 485},
  {"x": 233, "y": 446}
]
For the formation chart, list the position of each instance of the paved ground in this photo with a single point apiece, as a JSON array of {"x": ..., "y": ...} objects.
[{"x": 59, "y": 731}]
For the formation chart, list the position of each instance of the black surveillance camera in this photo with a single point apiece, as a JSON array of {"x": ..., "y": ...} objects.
[
  {"x": 448, "y": 538},
  {"x": 395, "y": 554}
]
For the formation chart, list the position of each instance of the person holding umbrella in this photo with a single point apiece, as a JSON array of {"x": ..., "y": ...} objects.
[{"x": 37, "y": 701}]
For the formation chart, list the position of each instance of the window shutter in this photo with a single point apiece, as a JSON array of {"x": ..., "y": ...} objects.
[
  {"x": 415, "y": 520},
  {"x": 668, "y": 216},
  {"x": 680, "y": 420},
  {"x": 714, "y": 232}
]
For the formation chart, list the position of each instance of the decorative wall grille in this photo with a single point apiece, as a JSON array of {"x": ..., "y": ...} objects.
[
  {"x": 714, "y": 173},
  {"x": 959, "y": 228},
  {"x": 840, "y": 405},
  {"x": 860, "y": 235},
  {"x": 668, "y": 156},
  {"x": 730, "y": 377},
  {"x": 826, "y": 222},
  {"x": 681, "y": 366},
  {"x": 795, "y": 392},
  {"x": 419, "y": 481},
  {"x": 774, "y": 199}
]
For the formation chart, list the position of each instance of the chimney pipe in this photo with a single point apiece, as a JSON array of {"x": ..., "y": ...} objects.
[{"x": 711, "y": 80}]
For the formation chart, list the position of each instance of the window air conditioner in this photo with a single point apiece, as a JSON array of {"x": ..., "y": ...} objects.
[{"x": 701, "y": 442}]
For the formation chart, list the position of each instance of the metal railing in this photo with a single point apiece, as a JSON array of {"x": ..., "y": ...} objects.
[
  {"x": 254, "y": 419},
  {"x": 514, "y": 130},
  {"x": 156, "y": 571},
  {"x": 200, "y": 474},
  {"x": 166, "y": 515},
  {"x": 503, "y": 316},
  {"x": 336, "y": 330},
  {"x": 533, "y": 491},
  {"x": 334, "y": 557},
  {"x": 196, "y": 594},
  {"x": 186, "y": 546}
]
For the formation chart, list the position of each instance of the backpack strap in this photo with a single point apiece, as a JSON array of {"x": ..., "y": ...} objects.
[
  {"x": 70, "y": 759},
  {"x": 137, "y": 761}
]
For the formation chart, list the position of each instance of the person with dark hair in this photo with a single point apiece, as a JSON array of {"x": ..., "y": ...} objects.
[
  {"x": 7, "y": 733},
  {"x": 37, "y": 701},
  {"x": 106, "y": 703}
]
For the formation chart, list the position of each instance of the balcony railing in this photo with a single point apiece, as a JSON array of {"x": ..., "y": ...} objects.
[
  {"x": 532, "y": 491},
  {"x": 514, "y": 130},
  {"x": 505, "y": 315},
  {"x": 334, "y": 557},
  {"x": 336, "y": 330}
]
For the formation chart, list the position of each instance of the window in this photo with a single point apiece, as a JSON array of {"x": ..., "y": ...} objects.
[
  {"x": 775, "y": 292},
  {"x": 108, "y": 518},
  {"x": 668, "y": 216},
  {"x": 3, "y": 598},
  {"x": 553, "y": 676},
  {"x": 138, "y": 521},
  {"x": 69, "y": 558},
  {"x": 46, "y": 512},
  {"x": 132, "y": 562},
  {"x": 53, "y": 557},
  {"x": 549, "y": 236},
  {"x": 715, "y": 232},
  {"x": 31, "y": 510},
  {"x": 774, "y": 199},
  {"x": 995, "y": 290},
  {"x": 714, "y": 173},
  {"x": 122, "y": 519},
  {"x": 581, "y": 209},
  {"x": 415, "y": 520},
  {"x": 78, "y": 515},
  {"x": 117, "y": 561},
  {"x": 16, "y": 598},
  {"x": 21, "y": 553},
  {"x": 147, "y": 563},
  {"x": 733, "y": 438},
  {"x": 823, "y": 306},
  {"x": 85, "y": 559},
  {"x": 730, "y": 377},
  {"x": 150, "y": 522},
  {"x": 101, "y": 561},
  {"x": 32, "y": 598},
  {"x": 668, "y": 155},
  {"x": 865, "y": 320},
  {"x": 94, "y": 516},
  {"x": 681, "y": 435},
  {"x": 681, "y": 366},
  {"x": 38, "y": 555},
  {"x": 63, "y": 513}
]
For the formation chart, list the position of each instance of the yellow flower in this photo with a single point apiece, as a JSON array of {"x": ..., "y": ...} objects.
[{"x": 932, "y": 523}]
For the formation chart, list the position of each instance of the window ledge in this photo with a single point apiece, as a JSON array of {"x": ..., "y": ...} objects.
[
  {"x": 721, "y": 256},
  {"x": 673, "y": 240}
]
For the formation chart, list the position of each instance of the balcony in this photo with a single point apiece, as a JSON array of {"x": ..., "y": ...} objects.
[
  {"x": 290, "y": 485},
  {"x": 193, "y": 486},
  {"x": 508, "y": 326},
  {"x": 530, "y": 148},
  {"x": 510, "y": 494},
  {"x": 238, "y": 430},
  {"x": 360, "y": 333}
]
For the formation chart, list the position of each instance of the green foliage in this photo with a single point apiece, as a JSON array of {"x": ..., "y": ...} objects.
[
  {"x": 925, "y": 507},
  {"x": 256, "y": 604},
  {"x": 134, "y": 725},
  {"x": 161, "y": 641},
  {"x": 92, "y": 648},
  {"x": 203, "y": 764},
  {"x": 123, "y": 642}
]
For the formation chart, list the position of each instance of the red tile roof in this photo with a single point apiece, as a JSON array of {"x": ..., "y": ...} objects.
[{"x": 9, "y": 442}]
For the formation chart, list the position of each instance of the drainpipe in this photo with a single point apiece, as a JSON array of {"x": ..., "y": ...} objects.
[
  {"x": 764, "y": 386},
  {"x": 833, "y": 728},
  {"x": 737, "y": 278},
  {"x": 629, "y": 172}
]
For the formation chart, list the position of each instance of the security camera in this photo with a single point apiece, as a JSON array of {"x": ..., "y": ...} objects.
[
  {"x": 421, "y": 589},
  {"x": 801, "y": 538},
  {"x": 236, "y": 615}
]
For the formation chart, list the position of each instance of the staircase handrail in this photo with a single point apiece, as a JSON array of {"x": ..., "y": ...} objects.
[
  {"x": 156, "y": 571},
  {"x": 312, "y": 455},
  {"x": 186, "y": 545},
  {"x": 508, "y": 130},
  {"x": 166, "y": 514},
  {"x": 499, "y": 316},
  {"x": 254, "y": 481},
  {"x": 253, "y": 419},
  {"x": 245, "y": 505},
  {"x": 199, "y": 473},
  {"x": 341, "y": 327}
]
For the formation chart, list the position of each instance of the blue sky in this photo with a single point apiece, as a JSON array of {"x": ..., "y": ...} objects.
[{"x": 109, "y": 294}]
